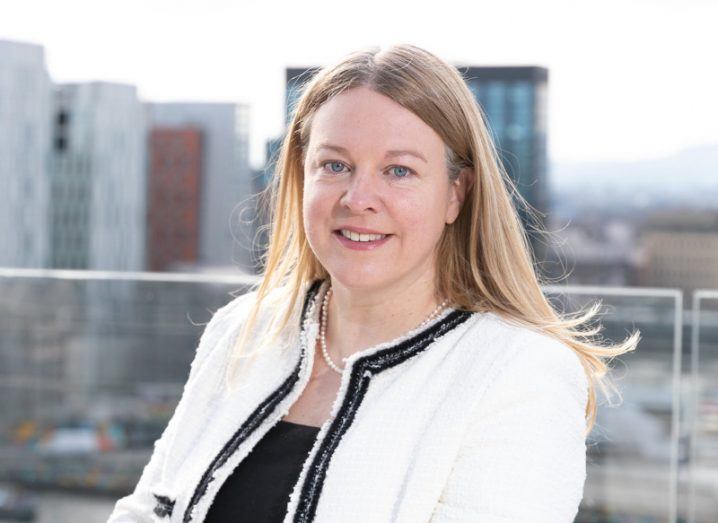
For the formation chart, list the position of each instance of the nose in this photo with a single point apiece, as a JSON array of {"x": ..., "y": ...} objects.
[{"x": 362, "y": 192}]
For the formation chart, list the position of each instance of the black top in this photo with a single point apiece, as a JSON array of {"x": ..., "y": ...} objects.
[{"x": 258, "y": 490}]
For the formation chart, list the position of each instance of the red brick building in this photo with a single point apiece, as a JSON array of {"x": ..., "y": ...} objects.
[{"x": 174, "y": 181}]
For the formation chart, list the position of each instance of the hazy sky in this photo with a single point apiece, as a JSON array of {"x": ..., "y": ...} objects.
[{"x": 628, "y": 79}]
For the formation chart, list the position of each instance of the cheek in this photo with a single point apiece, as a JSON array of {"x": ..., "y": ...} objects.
[
  {"x": 316, "y": 209},
  {"x": 421, "y": 216}
]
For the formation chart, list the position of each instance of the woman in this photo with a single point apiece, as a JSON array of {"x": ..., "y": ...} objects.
[{"x": 398, "y": 361}]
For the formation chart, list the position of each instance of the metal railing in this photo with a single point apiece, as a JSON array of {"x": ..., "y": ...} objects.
[
  {"x": 699, "y": 298},
  {"x": 117, "y": 347},
  {"x": 629, "y": 306}
]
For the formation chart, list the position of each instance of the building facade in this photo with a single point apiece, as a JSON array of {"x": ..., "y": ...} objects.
[
  {"x": 25, "y": 122},
  {"x": 174, "y": 184},
  {"x": 226, "y": 228},
  {"x": 98, "y": 179},
  {"x": 680, "y": 250}
]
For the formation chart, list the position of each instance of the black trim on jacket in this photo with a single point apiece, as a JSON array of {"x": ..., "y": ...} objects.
[
  {"x": 363, "y": 370},
  {"x": 253, "y": 421}
]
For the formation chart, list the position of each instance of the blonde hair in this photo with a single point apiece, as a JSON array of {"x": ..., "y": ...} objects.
[{"x": 486, "y": 256}]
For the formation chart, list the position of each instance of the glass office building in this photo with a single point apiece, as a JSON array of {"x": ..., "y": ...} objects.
[{"x": 513, "y": 100}]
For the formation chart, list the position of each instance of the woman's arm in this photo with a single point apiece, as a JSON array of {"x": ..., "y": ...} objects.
[
  {"x": 524, "y": 458},
  {"x": 138, "y": 506}
]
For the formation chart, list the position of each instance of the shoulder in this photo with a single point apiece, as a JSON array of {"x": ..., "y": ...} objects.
[
  {"x": 236, "y": 311},
  {"x": 230, "y": 313},
  {"x": 525, "y": 434},
  {"x": 527, "y": 360},
  {"x": 227, "y": 321},
  {"x": 224, "y": 320},
  {"x": 524, "y": 346}
]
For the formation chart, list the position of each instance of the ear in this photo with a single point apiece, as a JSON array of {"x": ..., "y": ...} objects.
[{"x": 457, "y": 193}]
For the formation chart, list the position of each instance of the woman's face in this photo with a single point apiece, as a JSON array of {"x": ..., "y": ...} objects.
[{"x": 374, "y": 171}]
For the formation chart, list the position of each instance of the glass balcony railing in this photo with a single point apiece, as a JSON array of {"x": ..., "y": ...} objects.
[
  {"x": 637, "y": 449},
  {"x": 703, "y": 409},
  {"x": 92, "y": 365}
]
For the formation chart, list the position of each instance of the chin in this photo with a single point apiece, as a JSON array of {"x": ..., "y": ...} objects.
[{"x": 358, "y": 279}]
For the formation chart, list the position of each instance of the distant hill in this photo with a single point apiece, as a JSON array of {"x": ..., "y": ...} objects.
[{"x": 689, "y": 177}]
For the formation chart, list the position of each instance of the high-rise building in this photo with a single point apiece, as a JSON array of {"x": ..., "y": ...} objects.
[
  {"x": 25, "y": 122},
  {"x": 174, "y": 180},
  {"x": 226, "y": 227},
  {"x": 98, "y": 178},
  {"x": 514, "y": 101}
]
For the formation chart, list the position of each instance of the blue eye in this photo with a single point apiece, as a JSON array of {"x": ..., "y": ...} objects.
[
  {"x": 400, "y": 171},
  {"x": 334, "y": 166}
]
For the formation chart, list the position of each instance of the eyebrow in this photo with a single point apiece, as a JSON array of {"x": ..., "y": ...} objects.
[{"x": 389, "y": 154}]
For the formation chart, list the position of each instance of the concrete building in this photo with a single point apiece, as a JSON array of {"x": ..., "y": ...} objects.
[
  {"x": 98, "y": 178},
  {"x": 174, "y": 181},
  {"x": 226, "y": 214},
  {"x": 680, "y": 250},
  {"x": 25, "y": 122}
]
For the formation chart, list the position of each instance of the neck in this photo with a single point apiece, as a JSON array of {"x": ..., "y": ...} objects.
[{"x": 359, "y": 319}]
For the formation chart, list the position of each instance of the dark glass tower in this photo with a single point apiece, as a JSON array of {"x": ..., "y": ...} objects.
[{"x": 513, "y": 100}]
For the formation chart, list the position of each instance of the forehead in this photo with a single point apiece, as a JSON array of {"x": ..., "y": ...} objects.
[{"x": 361, "y": 119}]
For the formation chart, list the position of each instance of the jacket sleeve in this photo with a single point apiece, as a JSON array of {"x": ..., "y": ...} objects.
[
  {"x": 139, "y": 506},
  {"x": 524, "y": 456}
]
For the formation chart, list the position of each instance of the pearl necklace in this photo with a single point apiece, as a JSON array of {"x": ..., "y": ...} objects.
[{"x": 323, "y": 328}]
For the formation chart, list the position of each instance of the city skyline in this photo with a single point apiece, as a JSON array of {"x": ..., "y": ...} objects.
[{"x": 612, "y": 66}]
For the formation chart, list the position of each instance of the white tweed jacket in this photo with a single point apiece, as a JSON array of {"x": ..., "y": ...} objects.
[{"x": 467, "y": 419}]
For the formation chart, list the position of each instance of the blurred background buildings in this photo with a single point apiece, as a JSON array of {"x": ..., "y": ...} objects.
[
  {"x": 89, "y": 170},
  {"x": 98, "y": 179},
  {"x": 223, "y": 235},
  {"x": 25, "y": 140}
]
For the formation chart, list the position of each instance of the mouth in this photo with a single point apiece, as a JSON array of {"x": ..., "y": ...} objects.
[
  {"x": 360, "y": 237},
  {"x": 360, "y": 241}
]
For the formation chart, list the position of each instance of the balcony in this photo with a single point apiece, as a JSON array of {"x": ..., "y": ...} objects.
[{"x": 92, "y": 365}]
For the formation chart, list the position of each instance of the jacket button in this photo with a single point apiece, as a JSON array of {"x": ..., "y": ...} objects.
[{"x": 164, "y": 506}]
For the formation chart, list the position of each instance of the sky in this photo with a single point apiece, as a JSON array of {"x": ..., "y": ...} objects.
[{"x": 628, "y": 79}]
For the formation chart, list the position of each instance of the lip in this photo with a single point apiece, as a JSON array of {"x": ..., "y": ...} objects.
[
  {"x": 360, "y": 246},
  {"x": 360, "y": 230}
]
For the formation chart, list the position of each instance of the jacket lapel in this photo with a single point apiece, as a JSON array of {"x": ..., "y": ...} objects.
[{"x": 271, "y": 388}]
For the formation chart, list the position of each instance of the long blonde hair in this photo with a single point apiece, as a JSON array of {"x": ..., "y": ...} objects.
[{"x": 486, "y": 257}]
